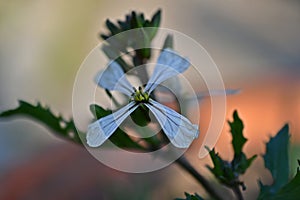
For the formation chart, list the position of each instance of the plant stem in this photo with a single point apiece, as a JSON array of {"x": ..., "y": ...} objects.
[
  {"x": 184, "y": 163},
  {"x": 238, "y": 193}
]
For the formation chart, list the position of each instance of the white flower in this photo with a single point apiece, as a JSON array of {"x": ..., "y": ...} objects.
[{"x": 180, "y": 131}]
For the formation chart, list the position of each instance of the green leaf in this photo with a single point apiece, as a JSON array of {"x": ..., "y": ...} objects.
[
  {"x": 154, "y": 23},
  {"x": 119, "y": 137},
  {"x": 57, "y": 124},
  {"x": 141, "y": 38},
  {"x": 191, "y": 197},
  {"x": 169, "y": 42},
  {"x": 136, "y": 21},
  {"x": 217, "y": 162},
  {"x": 238, "y": 139},
  {"x": 277, "y": 161},
  {"x": 276, "y": 157},
  {"x": 222, "y": 169},
  {"x": 113, "y": 28},
  {"x": 141, "y": 116},
  {"x": 291, "y": 190},
  {"x": 226, "y": 172},
  {"x": 99, "y": 112},
  {"x": 122, "y": 140}
]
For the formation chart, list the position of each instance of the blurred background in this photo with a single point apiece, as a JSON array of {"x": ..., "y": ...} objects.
[{"x": 256, "y": 45}]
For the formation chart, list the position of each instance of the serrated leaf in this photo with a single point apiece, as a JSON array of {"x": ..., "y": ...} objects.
[
  {"x": 141, "y": 38},
  {"x": 155, "y": 21},
  {"x": 113, "y": 28},
  {"x": 119, "y": 137},
  {"x": 124, "y": 25},
  {"x": 277, "y": 161},
  {"x": 222, "y": 169},
  {"x": 228, "y": 172},
  {"x": 135, "y": 21},
  {"x": 217, "y": 162},
  {"x": 236, "y": 129},
  {"x": 63, "y": 128},
  {"x": 142, "y": 18},
  {"x": 276, "y": 157}
]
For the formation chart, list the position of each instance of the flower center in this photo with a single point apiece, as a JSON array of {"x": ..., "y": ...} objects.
[{"x": 139, "y": 96}]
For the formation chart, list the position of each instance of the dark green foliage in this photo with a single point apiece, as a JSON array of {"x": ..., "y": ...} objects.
[
  {"x": 66, "y": 128},
  {"x": 190, "y": 197},
  {"x": 277, "y": 161},
  {"x": 62, "y": 127},
  {"x": 228, "y": 172},
  {"x": 290, "y": 191},
  {"x": 236, "y": 129},
  {"x": 222, "y": 169},
  {"x": 169, "y": 42},
  {"x": 132, "y": 21},
  {"x": 141, "y": 116},
  {"x": 139, "y": 40},
  {"x": 276, "y": 157}
]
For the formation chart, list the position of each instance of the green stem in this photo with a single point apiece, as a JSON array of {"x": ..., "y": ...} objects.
[{"x": 183, "y": 162}]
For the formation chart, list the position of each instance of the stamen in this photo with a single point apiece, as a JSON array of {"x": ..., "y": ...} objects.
[{"x": 139, "y": 95}]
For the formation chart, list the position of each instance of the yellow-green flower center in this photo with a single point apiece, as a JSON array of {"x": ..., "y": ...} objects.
[{"x": 140, "y": 96}]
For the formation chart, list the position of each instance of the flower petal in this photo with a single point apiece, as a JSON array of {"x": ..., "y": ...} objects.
[
  {"x": 180, "y": 131},
  {"x": 168, "y": 65},
  {"x": 102, "y": 129},
  {"x": 113, "y": 78}
]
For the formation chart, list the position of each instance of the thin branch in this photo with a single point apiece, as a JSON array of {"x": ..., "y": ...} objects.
[{"x": 183, "y": 162}]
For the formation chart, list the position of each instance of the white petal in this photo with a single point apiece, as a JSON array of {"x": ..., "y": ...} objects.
[
  {"x": 168, "y": 65},
  {"x": 113, "y": 78},
  {"x": 180, "y": 131},
  {"x": 99, "y": 131}
]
